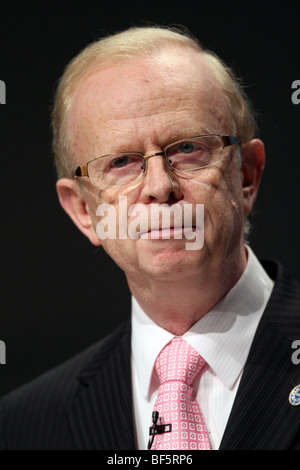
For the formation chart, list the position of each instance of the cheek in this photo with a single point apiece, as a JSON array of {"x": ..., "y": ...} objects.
[
  {"x": 110, "y": 219},
  {"x": 99, "y": 201},
  {"x": 221, "y": 193}
]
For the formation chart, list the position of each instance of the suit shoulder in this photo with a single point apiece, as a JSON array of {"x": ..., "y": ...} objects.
[
  {"x": 283, "y": 307},
  {"x": 54, "y": 389}
]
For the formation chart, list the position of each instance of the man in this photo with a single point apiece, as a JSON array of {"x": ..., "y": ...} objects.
[{"x": 149, "y": 118}]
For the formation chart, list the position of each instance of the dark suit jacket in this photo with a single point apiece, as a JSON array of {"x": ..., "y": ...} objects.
[{"x": 86, "y": 402}]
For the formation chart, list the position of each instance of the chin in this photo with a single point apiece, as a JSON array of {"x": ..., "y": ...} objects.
[{"x": 170, "y": 259}]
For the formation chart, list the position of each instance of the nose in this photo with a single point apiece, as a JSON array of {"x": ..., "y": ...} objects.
[{"x": 160, "y": 184}]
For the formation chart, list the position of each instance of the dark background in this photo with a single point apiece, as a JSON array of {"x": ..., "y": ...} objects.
[{"x": 58, "y": 293}]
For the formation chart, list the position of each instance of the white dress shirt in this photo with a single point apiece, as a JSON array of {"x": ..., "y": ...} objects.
[{"x": 223, "y": 338}]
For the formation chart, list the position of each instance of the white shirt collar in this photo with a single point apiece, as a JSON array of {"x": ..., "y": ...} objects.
[{"x": 223, "y": 336}]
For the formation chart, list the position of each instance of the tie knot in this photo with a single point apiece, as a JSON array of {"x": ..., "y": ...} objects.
[{"x": 178, "y": 361}]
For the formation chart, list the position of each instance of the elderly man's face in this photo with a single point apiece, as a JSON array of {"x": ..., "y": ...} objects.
[{"x": 143, "y": 106}]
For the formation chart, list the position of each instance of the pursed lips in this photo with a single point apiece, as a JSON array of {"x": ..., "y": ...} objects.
[{"x": 167, "y": 232}]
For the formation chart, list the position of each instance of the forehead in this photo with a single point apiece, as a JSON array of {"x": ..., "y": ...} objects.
[{"x": 173, "y": 88}]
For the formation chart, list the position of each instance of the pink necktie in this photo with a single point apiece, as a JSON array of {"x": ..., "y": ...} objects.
[{"x": 177, "y": 366}]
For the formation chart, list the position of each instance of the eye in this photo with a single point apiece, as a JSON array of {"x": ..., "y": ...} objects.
[
  {"x": 120, "y": 162},
  {"x": 187, "y": 147}
]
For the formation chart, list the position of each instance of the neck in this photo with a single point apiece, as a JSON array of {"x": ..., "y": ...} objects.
[{"x": 176, "y": 305}]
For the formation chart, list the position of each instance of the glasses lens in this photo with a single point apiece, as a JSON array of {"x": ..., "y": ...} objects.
[
  {"x": 115, "y": 170},
  {"x": 195, "y": 153}
]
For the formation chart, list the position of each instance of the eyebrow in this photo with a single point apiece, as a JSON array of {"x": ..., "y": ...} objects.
[
  {"x": 175, "y": 136},
  {"x": 189, "y": 132}
]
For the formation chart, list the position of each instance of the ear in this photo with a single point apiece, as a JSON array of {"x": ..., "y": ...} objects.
[
  {"x": 253, "y": 162},
  {"x": 72, "y": 200}
]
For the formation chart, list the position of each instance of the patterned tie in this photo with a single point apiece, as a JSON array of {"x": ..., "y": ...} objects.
[{"x": 177, "y": 366}]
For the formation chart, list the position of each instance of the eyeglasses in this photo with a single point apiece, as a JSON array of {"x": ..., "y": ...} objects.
[{"x": 186, "y": 155}]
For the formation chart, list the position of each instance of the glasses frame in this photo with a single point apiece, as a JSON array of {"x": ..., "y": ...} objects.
[{"x": 227, "y": 140}]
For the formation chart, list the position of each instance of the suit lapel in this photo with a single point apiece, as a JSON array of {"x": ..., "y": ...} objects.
[
  {"x": 262, "y": 417},
  {"x": 101, "y": 416}
]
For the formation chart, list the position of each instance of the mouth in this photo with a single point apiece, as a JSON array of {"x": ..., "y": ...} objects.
[{"x": 165, "y": 233}]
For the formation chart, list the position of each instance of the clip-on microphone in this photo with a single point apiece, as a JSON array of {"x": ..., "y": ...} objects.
[{"x": 157, "y": 428}]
